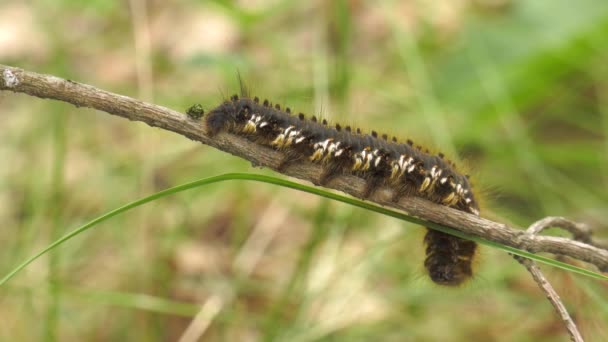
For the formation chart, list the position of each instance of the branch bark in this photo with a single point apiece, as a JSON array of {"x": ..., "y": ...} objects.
[
  {"x": 579, "y": 232},
  {"x": 82, "y": 95}
]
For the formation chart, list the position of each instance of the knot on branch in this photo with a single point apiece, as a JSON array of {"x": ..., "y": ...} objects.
[{"x": 9, "y": 78}]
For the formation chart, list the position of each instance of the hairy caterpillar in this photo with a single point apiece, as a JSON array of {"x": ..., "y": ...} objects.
[{"x": 406, "y": 168}]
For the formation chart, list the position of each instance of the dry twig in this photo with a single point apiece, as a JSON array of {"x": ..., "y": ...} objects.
[
  {"x": 579, "y": 232},
  {"x": 583, "y": 247},
  {"x": 82, "y": 95}
]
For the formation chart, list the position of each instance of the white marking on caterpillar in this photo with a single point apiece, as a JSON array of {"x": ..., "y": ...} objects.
[
  {"x": 286, "y": 138},
  {"x": 325, "y": 143},
  {"x": 333, "y": 147},
  {"x": 436, "y": 172}
]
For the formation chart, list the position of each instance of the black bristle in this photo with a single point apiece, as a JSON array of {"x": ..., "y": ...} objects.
[
  {"x": 277, "y": 106},
  {"x": 314, "y": 118},
  {"x": 358, "y": 130},
  {"x": 338, "y": 127},
  {"x": 347, "y": 128},
  {"x": 324, "y": 122},
  {"x": 374, "y": 134},
  {"x": 266, "y": 103},
  {"x": 234, "y": 97},
  {"x": 441, "y": 155},
  {"x": 288, "y": 110},
  {"x": 256, "y": 100},
  {"x": 410, "y": 142},
  {"x": 301, "y": 116},
  {"x": 384, "y": 137},
  {"x": 394, "y": 139}
]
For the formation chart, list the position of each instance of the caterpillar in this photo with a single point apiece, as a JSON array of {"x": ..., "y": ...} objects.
[{"x": 405, "y": 167}]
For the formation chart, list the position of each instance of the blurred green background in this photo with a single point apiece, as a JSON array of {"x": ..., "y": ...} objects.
[{"x": 515, "y": 90}]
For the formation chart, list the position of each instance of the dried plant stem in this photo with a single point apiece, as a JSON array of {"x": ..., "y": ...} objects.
[
  {"x": 582, "y": 247},
  {"x": 552, "y": 296},
  {"x": 579, "y": 232},
  {"x": 82, "y": 95}
]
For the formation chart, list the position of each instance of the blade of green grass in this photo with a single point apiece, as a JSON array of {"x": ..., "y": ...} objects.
[
  {"x": 135, "y": 301},
  {"x": 309, "y": 189},
  {"x": 56, "y": 204}
]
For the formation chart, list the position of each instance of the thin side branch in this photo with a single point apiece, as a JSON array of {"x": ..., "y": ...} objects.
[
  {"x": 82, "y": 95},
  {"x": 580, "y": 232},
  {"x": 552, "y": 296}
]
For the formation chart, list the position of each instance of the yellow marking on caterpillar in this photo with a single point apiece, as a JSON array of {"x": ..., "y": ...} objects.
[
  {"x": 249, "y": 127},
  {"x": 425, "y": 184},
  {"x": 450, "y": 199},
  {"x": 395, "y": 174},
  {"x": 317, "y": 155},
  {"x": 278, "y": 141}
]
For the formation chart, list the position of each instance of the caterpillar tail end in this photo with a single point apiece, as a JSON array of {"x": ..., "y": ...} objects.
[{"x": 449, "y": 259}]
